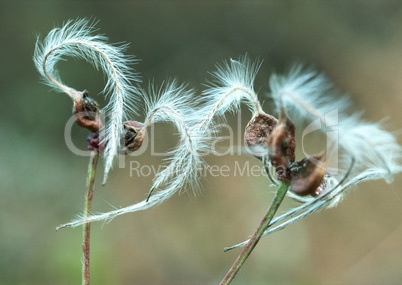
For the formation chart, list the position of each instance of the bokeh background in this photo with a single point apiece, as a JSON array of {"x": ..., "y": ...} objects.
[{"x": 358, "y": 44}]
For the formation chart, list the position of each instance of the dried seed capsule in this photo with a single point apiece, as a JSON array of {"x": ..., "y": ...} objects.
[
  {"x": 281, "y": 143},
  {"x": 87, "y": 113},
  {"x": 258, "y": 132},
  {"x": 307, "y": 175},
  {"x": 132, "y": 137}
]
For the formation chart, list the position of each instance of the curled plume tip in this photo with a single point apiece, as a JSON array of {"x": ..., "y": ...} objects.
[{"x": 231, "y": 84}]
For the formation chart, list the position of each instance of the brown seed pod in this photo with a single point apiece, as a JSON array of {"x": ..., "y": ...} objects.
[
  {"x": 86, "y": 112},
  {"x": 281, "y": 143},
  {"x": 307, "y": 175},
  {"x": 132, "y": 137},
  {"x": 258, "y": 132}
]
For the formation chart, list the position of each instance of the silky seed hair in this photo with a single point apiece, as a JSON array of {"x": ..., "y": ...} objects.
[
  {"x": 231, "y": 84},
  {"x": 173, "y": 104},
  {"x": 77, "y": 39},
  {"x": 308, "y": 95}
]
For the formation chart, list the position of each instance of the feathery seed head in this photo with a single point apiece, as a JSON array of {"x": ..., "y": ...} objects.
[
  {"x": 368, "y": 151},
  {"x": 76, "y": 39},
  {"x": 171, "y": 103},
  {"x": 309, "y": 96}
]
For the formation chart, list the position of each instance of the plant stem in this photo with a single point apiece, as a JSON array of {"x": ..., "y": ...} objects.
[
  {"x": 93, "y": 161},
  {"x": 280, "y": 194}
]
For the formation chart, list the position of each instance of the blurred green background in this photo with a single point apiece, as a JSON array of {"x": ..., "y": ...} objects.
[{"x": 357, "y": 44}]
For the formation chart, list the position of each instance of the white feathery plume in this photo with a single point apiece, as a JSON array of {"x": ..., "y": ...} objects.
[
  {"x": 171, "y": 104},
  {"x": 370, "y": 153},
  {"x": 76, "y": 39},
  {"x": 174, "y": 104},
  {"x": 231, "y": 84},
  {"x": 307, "y": 96},
  {"x": 371, "y": 146}
]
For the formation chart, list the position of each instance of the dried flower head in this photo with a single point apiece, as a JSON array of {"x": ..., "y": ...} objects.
[
  {"x": 264, "y": 135},
  {"x": 368, "y": 152}
]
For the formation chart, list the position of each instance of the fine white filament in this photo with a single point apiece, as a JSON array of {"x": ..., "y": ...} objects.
[
  {"x": 232, "y": 83},
  {"x": 76, "y": 39}
]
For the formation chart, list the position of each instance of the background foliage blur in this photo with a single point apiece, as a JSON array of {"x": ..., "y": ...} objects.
[{"x": 357, "y": 44}]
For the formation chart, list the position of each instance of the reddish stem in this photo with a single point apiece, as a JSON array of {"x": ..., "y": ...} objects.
[{"x": 93, "y": 161}]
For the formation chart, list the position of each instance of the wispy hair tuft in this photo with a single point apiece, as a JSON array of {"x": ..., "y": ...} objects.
[{"x": 231, "y": 84}]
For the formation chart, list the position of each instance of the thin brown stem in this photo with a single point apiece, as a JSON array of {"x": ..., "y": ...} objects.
[
  {"x": 93, "y": 161},
  {"x": 280, "y": 194}
]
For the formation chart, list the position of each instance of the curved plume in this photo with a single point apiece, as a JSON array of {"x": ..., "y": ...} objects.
[
  {"x": 232, "y": 83},
  {"x": 170, "y": 104},
  {"x": 76, "y": 39}
]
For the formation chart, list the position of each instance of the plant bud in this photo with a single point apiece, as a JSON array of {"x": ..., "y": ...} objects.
[
  {"x": 132, "y": 137},
  {"x": 258, "y": 132},
  {"x": 307, "y": 175},
  {"x": 281, "y": 143},
  {"x": 87, "y": 113}
]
